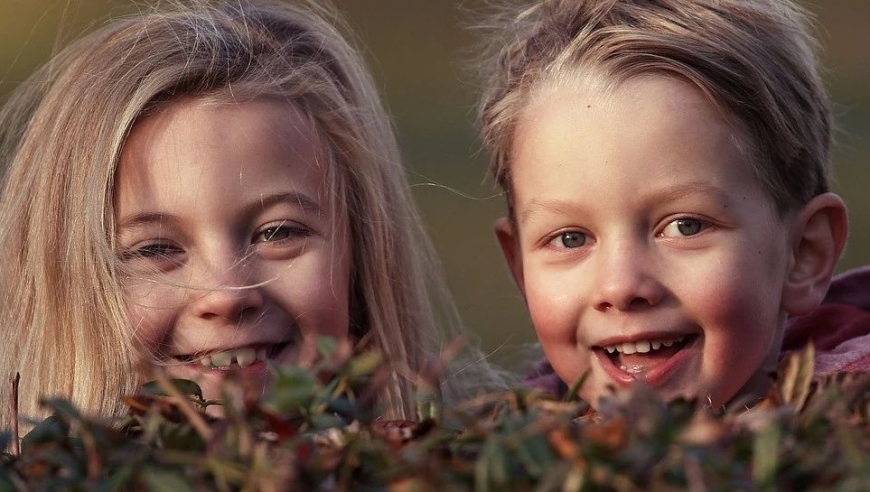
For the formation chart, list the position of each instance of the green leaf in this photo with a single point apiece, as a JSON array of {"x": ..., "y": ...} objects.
[
  {"x": 491, "y": 467},
  {"x": 120, "y": 479},
  {"x": 574, "y": 390},
  {"x": 292, "y": 390},
  {"x": 52, "y": 429},
  {"x": 765, "y": 456},
  {"x": 343, "y": 407},
  {"x": 535, "y": 454},
  {"x": 5, "y": 483},
  {"x": 326, "y": 346},
  {"x": 5, "y": 439},
  {"x": 797, "y": 378},
  {"x": 364, "y": 364},
  {"x": 323, "y": 421},
  {"x": 159, "y": 480},
  {"x": 185, "y": 386}
]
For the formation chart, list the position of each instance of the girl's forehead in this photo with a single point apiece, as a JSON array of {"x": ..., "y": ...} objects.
[
  {"x": 238, "y": 150},
  {"x": 257, "y": 127}
]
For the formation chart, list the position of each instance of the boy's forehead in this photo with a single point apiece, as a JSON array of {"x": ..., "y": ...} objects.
[{"x": 661, "y": 129}]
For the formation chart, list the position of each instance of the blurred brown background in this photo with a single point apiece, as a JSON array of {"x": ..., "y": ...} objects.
[{"x": 418, "y": 51}]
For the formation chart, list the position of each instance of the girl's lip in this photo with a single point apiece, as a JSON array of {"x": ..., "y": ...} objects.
[
  {"x": 655, "y": 376},
  {"x": 203, "y": 361},
  {"x": 258, "y": 367},
  {"x": 272, "y": 347}
]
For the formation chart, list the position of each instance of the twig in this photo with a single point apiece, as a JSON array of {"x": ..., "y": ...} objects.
[
  {"x": 195, "y": 418},
  {"x": 16, "y": 445},
  {"x": 694, "y": 474},
  {"x": 93, "y": 457}
]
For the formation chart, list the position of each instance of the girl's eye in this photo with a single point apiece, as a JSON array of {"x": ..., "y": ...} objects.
[
  {"x": 280, "y": 232},
  {"x": 684, "y": 227},
  {"x": 156, "y": 250},
  {"x": 152, "y": 252},
  {"x": 572, "y": 239}
]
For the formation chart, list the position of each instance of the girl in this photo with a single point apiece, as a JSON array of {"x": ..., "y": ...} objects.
[{"x": 214, "y": 186}]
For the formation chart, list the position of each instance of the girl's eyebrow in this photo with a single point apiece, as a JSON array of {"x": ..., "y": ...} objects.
[
  {"x": 299, "y": 199},
  {"x": 143, "y": 218},
  {"x": 303, "y": 201}
]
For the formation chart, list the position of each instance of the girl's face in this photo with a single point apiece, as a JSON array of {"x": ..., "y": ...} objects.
[
  {"x": 644, "y": 244},
  {"x": 233, "y": 254}
]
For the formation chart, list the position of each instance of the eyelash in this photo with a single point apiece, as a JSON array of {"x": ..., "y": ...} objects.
[
  {"x": 557, "y": 240},
  {"x": 291, "y": 231},
  {"x": 161, "y": 254},
  {"x": 553, "y": 240},
  {"x": 160, "y": 250},
  {"x": 703, "y": 225}
]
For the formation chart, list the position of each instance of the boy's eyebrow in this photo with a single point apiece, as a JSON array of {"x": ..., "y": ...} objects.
[
  {"x": 303, "y": 201},
  {"x": 668, "y": 194}
]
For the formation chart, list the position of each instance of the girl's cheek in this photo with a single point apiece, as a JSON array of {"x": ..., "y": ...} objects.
[{"x": 150, "y": 308}]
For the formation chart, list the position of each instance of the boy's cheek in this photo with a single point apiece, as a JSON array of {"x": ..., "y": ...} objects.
[{"x": 552, "y": 310}]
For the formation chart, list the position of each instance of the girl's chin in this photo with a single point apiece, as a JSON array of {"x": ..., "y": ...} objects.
[{"x": 211, "y": 380}]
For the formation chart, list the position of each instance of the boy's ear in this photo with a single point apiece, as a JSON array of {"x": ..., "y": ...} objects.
[
  {"x": 820, "y": 231},
  {"x": 509, "y": 241}
]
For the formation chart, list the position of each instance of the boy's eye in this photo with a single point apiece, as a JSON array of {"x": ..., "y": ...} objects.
[
  {"x": 280, "y": 232},
  {"x": 572, "y": 239},
  {"x": 684, "y": 227}
]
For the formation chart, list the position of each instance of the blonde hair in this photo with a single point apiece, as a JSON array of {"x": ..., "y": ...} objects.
[
  {"x": 753, "y": 59},
  {"x": 62, "y": 315}
]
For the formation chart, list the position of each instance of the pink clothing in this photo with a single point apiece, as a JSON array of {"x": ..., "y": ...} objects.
[{"x": 839, "y": 330}]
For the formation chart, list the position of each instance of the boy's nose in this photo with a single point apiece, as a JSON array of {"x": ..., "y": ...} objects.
[{"x": 625, "y": 279}]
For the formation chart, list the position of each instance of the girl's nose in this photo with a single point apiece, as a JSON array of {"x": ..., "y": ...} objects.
[
  {"x": 626, "y": 279},
  {"x": 227, "y": 294}
]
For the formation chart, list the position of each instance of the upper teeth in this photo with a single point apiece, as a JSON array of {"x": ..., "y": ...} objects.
[
  {"x": 242, "y": 356},
  {"x": 642, "y": 347}
]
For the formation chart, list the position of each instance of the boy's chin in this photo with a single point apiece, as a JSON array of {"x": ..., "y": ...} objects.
[
  {"x": 752, "y": 392},
  {"x": 745, "y": 398}
]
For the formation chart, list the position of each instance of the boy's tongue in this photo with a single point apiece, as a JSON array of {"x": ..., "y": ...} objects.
[{"x": 639, "y": 363}]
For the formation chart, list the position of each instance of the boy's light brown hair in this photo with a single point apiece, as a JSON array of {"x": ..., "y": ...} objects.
[{"x": 755, "y": 60}]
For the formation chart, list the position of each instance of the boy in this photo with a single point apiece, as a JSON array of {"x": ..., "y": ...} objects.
[{"x": 666, "y": 167}]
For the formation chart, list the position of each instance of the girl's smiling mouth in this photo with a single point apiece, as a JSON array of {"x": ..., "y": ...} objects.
[
  {"x": 651, "y": 360},
  {"x": 234, "y": 358}
]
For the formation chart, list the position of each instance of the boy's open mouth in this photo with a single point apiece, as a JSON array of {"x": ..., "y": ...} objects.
[
  {"x": 643, "y": 359},
  {"x": 234, "y": 358}
]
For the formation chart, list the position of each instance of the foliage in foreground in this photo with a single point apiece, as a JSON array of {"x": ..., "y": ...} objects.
[{"x": 311, "y": 432}]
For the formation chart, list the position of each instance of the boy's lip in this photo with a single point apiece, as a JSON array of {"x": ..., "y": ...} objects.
[
  {"x": 656, "y": 375},
  {"x": 641, "y": 336}
]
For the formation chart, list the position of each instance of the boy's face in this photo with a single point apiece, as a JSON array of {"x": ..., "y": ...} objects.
[
  {"x": 643, "y": 243},
  {"x": 234, "y": 254}
]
